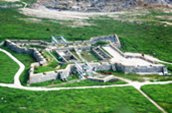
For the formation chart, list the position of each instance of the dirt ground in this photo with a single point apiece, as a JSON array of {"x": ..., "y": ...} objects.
[{"x": 78, "y": 19}]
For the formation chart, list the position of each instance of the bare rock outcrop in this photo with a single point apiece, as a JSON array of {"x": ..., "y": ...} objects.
[{"x": 98, "y": 5}]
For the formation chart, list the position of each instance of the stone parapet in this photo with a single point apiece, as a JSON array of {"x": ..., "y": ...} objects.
[{"x": 146, "y": 70}]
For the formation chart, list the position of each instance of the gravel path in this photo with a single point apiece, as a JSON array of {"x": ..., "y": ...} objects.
[{"x": 21, "y": 67}]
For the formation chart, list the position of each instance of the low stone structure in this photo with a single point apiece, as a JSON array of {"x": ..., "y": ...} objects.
[
  {"x": 62, "y": 74},
  {"x": 102, "y": 78},
  {"x": 138, "y": 64},
  {"x": 142, "y": 70},
  {"x": 67, "y": 56},
  {"x": 34, "y": 52},
  {"x": 112, "y": 59},
  {"x": 39, "y": 44},
  {"x": 111, "y": 39},
  {"x": 100, "y": 53}
]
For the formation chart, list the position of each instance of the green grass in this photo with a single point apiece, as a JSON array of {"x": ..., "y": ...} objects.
[
  {"x": 169, "y": 67},
  {"x": 29, "y": 2},
  {"x": 150, "y": 38},
  {"x": 161, "y": 94},
  {"x": 133, "y": 77},
  {"x": 54, "y": 53},
  {"x": 4, "y": 3},
  {"x": 26, "y": 60},
  {"x": 91, "y": 83},
  {"x": 89, "y": 56},
  {"x": 17, "y": 4},
  {"x": 50, "y": 67},
  {"x": 100, "y": 43},
  {"x": 140, "y": 78},
  {"x": 109, "y": 100},
  {"x": 8, "y": 68},
  {"x": 52, "y": 64}
]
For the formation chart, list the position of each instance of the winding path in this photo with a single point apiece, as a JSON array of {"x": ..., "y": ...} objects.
[
  {"x": 21, "y": 67},
  {"x": 136, "y": 85}
]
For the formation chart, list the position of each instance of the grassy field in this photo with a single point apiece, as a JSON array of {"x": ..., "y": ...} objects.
[
  {"x": 161, "y": 94},
  {"x": 26, "y": 60},
  {"x": 8, "y": 68},
  {"x": 149, "y": 37},
  {"x": 140, "y": 78},
  {"x": 110, "y": 100}
]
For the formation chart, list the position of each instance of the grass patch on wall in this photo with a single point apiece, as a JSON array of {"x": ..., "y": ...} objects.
[{"x": 52, "y": 65}]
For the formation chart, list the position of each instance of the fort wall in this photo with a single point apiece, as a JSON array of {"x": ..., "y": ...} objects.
[{"x": 63, "y": 74}]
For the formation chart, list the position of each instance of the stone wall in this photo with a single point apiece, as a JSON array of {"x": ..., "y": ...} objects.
[
  {"x": 103, "y": 66},
  {"x": 100, "y": 53},
  {"x": 16, "y": 48},
  {"x": 62, "y": 74},
  {"x": 141, "y": 69},
  {"x": 42, "y": 77},
  {"x": 30, "y": 42},
  {"x": 34, "y": 52},
  {"x": 155, "y": 68},
  {"x": 112, "y": 38},
  {"x": 39, "y": 77},
  {"x": 65, "y": 73}
]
